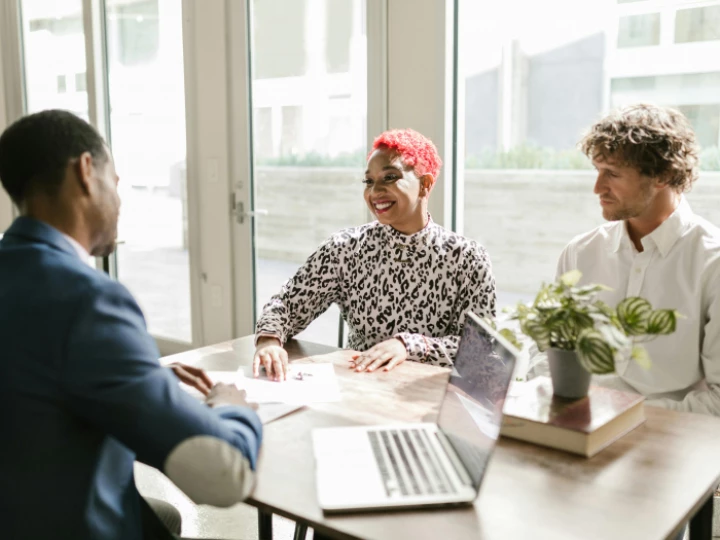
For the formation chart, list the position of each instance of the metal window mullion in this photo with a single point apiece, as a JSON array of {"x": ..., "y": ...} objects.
[
  {"x": 11, "y": 48},
  {"x": 192, "y": 173},
  {"x": 96, "y": 69},
  {"x": 239, "y": 33},
  {"x": 12, "y": 97},
  {"x": 457, "y": 121},
  {"x": 376, "y": 33},
  {"x": 96, "y": 78}
]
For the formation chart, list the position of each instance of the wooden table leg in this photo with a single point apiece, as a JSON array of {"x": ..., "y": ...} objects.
[
  {"x": 701, "y": 523},
  {"x": 264, "y": 525}
]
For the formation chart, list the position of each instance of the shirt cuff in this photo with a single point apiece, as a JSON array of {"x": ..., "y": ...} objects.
[{"x": 415, "y": 344}]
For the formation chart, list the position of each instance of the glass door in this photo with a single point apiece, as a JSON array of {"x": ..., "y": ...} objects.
[
  {"x": 144, "y": 81},
  {"x": 309, "y": 136},
  {"x": 147, "y": 132},
  {"x": 54, "y": 56}
]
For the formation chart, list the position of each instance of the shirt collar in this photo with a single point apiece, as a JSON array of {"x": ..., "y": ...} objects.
[
  {"x": 664, "y": 237},
  {"x": 409, "y": 239},
  {"x": 79, "y": 249}
]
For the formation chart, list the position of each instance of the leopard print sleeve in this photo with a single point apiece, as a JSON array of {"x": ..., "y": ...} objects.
[
  {"x": 476, "y": 293},
  {"x": 313, "y": 288}
]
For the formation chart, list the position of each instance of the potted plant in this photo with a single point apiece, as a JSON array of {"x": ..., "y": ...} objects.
[{"x": 583, "y": 335}]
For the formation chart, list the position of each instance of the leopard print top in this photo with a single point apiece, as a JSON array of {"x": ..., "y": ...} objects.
[{"x": 416, "y": 288}]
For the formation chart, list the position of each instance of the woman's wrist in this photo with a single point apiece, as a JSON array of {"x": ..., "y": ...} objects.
[{"x": 268, "y": 340}]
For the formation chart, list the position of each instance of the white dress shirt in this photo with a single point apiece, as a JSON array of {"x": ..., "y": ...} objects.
[
  {"x": 79, "y": 249},
  {"x": 679, "y": 268}
]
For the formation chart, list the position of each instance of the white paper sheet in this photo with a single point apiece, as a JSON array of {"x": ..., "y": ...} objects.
[
  {"x": 266, "y": 411},
  {"x": 306, "y": 383}
]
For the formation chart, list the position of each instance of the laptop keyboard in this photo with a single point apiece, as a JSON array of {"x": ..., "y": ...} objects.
[{"x": 408, "y": 463}]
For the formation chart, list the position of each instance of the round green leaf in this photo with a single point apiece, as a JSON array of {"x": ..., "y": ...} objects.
[
  {"x": 633, "y": 314},
  {"x": 511, "y": 337},
  {"x": 538, "y": 332},
  {"x": 662, "y": 321},
  {"x": 594, "y": 353}
]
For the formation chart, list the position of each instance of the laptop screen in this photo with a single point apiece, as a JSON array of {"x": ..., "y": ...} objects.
[{"x": 471, "y": 411}]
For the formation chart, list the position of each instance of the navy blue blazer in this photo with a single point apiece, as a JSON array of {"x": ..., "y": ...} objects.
[{"x": 82, "y": 396}]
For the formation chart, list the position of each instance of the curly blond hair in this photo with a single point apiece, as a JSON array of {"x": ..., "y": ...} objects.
[{"x": 658, "y": 141}]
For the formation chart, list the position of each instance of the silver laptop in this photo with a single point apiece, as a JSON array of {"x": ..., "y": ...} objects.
[{"x": 422, "y": 464}]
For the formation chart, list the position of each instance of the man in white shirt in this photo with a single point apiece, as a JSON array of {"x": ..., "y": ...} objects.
[{"x": 655, "y": 247}]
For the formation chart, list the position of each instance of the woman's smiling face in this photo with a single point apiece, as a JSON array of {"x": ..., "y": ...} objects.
[{"x": 394, "y": 194}]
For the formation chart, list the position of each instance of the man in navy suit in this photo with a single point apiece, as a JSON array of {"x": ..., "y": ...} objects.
[{"x": 82, "y": 394}]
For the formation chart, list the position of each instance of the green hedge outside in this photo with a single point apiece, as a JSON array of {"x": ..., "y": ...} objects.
[{"x": 520, "y": 157}]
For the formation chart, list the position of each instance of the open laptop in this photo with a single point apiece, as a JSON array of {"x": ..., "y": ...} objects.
[{"x": 423, "y": 464}]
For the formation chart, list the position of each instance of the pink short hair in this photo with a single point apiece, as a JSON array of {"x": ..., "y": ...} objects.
[{"x": 416, "y": 151}]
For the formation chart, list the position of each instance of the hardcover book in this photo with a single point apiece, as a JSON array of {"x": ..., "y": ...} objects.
[{"x": 582, "y": 426}]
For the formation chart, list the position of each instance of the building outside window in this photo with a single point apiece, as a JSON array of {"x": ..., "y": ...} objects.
[{"x": 530, "y": 86}]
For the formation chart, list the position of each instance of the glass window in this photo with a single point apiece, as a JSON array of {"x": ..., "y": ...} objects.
[
  {"x": 705, "y": 119},
  {"x": 309, "y": 136},
  {"x": 286, "y": 57},
  {"x": 80, "y": 82},
  {"x": 697, "y": 24},
  {"x": 138, "y": 31},
  {"x": 339, "y": 26},
  {"x": 54, "y": 52},
  {"x": 147, "y": 126},
  {"x": 639, "y": 30},
  {"x": 532, "y": 86},
  {"x": 694, "y": 94}
]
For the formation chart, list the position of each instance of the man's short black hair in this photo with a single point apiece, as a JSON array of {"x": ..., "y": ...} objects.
[{"x": 35, "y": 151}]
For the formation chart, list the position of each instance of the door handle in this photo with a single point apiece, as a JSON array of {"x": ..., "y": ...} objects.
[{"x": 237, "y": 210}]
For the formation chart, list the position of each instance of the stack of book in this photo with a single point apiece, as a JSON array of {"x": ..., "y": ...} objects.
[{"x": 582, "y": 426}]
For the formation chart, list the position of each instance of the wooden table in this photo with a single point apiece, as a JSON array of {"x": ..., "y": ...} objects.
[{"x": 647, "y": 485}]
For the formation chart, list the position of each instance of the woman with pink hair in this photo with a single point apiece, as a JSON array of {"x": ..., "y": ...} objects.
[{"x": 403, "y": 283}]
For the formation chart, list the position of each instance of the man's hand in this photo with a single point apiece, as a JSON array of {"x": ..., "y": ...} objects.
[
  {"x": 192, "y": 376},
  {"x": 228, "y": 394},
  {"x": 389, "y": 353},
  {"x": 273, "y": 357}
]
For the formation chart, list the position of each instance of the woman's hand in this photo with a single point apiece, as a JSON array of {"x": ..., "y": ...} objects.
[
  {"x": 192, "y": 376},
  {"x": 273, "y": 357},
  {"x": 389, "y": 353}
]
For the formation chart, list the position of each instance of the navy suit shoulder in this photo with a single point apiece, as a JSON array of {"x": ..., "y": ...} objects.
[{"x": 83, "y": 395}]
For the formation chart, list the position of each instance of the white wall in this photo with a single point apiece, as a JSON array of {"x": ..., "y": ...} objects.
[
  {"x": 206, "y": 88},
  {"x": 420, "y": 83}
]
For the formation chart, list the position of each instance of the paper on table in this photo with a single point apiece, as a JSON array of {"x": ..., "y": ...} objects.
[
  {"x": 306, "y": 383},
  {"x": 267, "y": 411}
]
